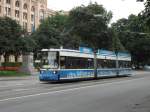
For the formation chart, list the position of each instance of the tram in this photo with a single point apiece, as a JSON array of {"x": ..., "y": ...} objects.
[{"x": 66, "y": 64}]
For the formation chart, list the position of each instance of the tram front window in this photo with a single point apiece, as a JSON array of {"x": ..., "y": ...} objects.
[{"x": 49, "y": 60}]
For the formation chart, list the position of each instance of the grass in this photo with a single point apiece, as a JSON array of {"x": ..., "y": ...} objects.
[{"x": 12, "y": 74}]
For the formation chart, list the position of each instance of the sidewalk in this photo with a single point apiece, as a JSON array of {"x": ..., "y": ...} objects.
[
  {"x": 18, "y": 78},
  {"x": 140, "y": 71}
]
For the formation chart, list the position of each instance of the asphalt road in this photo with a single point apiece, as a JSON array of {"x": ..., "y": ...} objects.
[{"x": 127, "y": 94}]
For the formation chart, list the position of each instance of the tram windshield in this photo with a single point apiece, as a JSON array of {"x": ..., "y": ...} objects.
[{"x": 49, "y": 60}]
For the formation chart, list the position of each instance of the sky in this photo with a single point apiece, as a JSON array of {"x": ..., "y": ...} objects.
[{"x": 120, "y": 8}]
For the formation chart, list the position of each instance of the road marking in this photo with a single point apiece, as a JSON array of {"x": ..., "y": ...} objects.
[
  {"x": 66, "y": 90},
  {"x": 12, "y": 85},
  {"x": 21, "y": 84},
  {"x": 18, "y": 90}
]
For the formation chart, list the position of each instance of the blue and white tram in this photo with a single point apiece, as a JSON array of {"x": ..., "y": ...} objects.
[{"x": 65, "y": 64}]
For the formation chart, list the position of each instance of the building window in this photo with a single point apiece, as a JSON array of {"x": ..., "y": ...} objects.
[
  {"x": 32, "y": 27},
  {"x": 0, "y": 9},
  {"x": 7, "y": 11},
  {"x": 25, "y": 6},
  {"x": 32, "y": 17},
  {"x": 33, "y": 9},
  {"x": 8, "y": 1},
  {"x": 24, "y": 25},
  {"x": 17, "y": 3},
  {"x": 17, "y": 21},
  {"x": 17, "y": 13},
  {"x": 41, "y": 15},
  {"x": 25, "y": 15}
]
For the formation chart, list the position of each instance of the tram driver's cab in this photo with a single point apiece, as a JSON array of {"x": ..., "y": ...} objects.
[{"x": 49, "y": 65}]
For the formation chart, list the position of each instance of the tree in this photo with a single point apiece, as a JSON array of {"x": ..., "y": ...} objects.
[
  {"x": 141, "y": 55},
  {"x": 54, "y": 32},
  {"x": 49, "y": 32},
  {"x": 11, "y": 35},
  {"x": 116, "y": 43},
  {"x": 90, "y": 23},
  {"x": 134, "y": 37},
  {"x": 145, "y": 14},
  {"x": 132, "y": 24},
  {"x": 10, "y": 31}
]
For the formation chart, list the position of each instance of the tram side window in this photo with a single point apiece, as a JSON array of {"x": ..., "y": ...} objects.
[
  {"x": 124, "y": 64},
  {"x": 63, "y": 62},
  {"x": 111, "y": 64},
  {"x": 76, "y": 63},
  {"x": 106, "y": 64},
  {"x": 102, "y": 64},
  {"x": 90, "y": 63}
]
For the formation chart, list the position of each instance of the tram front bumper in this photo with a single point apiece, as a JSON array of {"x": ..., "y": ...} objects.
[{"x": 48, "y": 76}]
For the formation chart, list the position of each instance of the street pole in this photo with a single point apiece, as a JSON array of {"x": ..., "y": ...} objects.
[
  {"x": 117, "y": 63},
  {"x": 95, "y": 64},
  {"x": 95, "y": 50}
]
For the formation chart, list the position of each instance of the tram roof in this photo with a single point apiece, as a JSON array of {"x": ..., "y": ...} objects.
[
  {"x": 102, "y": 54},
  {"x": 65, "y": 50}
]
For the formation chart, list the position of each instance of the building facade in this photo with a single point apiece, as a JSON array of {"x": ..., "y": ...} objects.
[{"x": 28, "y": 13}]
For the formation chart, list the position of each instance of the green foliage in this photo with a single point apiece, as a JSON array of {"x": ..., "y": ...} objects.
[
  {"x": 11, "y": 38},
  {"x": 90, "y": 23},
  {"x": 145, "y": 14},
  {"x": 12, "y": 64},
  {"x": 132, "y": 24},
  {"x": 116, "y": 43},
  {"x": 25, "y": 44},
  {"x": 10, "y": 31},
  {"x": 70, "y": 41},
  {"x": 48, "y": 34},
  {"x": 54, "y": 32},
  {"x": 85, "y": 25},
  {"x": 12, "y": 74},
  {"x": 142, "y": 52},
  {"x": 134, "y": 36}
]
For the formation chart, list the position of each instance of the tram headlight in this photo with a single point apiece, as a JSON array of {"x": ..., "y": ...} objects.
[{"x": 54, "y": 72}]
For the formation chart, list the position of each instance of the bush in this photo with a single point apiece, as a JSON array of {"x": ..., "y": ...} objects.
[
  {"x": 12, "y": 74},
  {"x": 11, "y": 64}
]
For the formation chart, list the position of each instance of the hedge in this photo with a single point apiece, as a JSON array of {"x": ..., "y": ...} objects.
[{"x": 11, "y": 64}]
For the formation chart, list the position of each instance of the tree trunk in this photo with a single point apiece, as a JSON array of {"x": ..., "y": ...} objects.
[
  {"x": 27, "y": 65},
  {"x": 6, "y": 57},
  {"x": 16, "y": 58},
  {"x": 0, "y": 61}
]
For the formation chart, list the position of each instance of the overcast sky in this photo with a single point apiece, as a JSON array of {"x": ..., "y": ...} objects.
[{"x": 120, "y": 8}]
